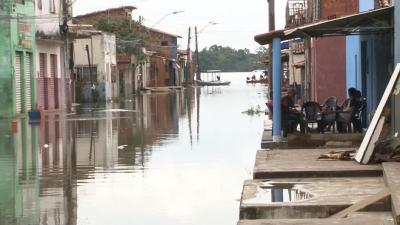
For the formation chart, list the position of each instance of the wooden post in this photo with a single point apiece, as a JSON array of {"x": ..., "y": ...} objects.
[
  {"x": 188, "y": 65},
  {"x": 271, "y": 13},
  {"x": 198, "y": 73}
]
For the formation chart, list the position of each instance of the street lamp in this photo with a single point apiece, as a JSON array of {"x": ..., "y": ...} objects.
[
  {"x": 209, "y": 24},
  {"x": 171, "y": 13}
]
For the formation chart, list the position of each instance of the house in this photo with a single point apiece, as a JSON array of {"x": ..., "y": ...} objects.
[
  {"x": 327, "y": 49},
  {"x": 129, "y": 68},
  {"x": 17, "y": 57},
  {"x": 51, "y": 72},
  {"x": 101, "y": 73},
  {"x": 164, "y": 60}
]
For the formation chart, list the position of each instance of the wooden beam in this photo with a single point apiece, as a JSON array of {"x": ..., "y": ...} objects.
[
  {"x": 362, "y": 204},
  {"x": 365, "y": 153}
]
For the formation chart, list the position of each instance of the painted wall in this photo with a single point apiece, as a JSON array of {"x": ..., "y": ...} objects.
[
  {"x": 328, "y": 68},
  {"x": 48, "y": 20},
  {"x": 102, "y": 49},
  {"x": 13, "y": 39}
]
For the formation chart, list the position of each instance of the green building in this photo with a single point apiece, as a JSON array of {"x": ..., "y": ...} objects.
[{"x": 17, "y": 52}]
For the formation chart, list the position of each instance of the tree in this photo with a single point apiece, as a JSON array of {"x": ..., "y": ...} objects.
[
  {"x": 129, "y": 35},
  {"x": 231, "y": 60}
]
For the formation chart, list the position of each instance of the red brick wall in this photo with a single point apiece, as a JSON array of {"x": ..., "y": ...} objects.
[
  {"x": 328, "y": 64},
  {"x": 118, "y": 14},
  {"x": 337, "y": 8},
  {"x": 162, "y": 76}
]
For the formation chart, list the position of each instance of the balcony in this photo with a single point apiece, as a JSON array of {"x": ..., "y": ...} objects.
[{"x": 296, "y": 13}]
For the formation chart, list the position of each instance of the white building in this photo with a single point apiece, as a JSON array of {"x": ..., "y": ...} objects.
[
  {"x": 102, "y": 50},
  {"x": 50, "y": 71}
]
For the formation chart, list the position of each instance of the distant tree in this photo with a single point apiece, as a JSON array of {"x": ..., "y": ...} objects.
[
  {"x": 231, "y": 60},
  {"x": 129, "y": 34}
]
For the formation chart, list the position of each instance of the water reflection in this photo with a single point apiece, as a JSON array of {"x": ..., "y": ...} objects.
[{"x": 80, "y": 169}]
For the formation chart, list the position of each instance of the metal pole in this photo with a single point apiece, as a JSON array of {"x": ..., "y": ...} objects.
[
  {"x": 90, "y": 74},
  {"x": 271, "y": 13},
  {"x": 198, "y": 73},
  {"x": 277, "y": 89}
]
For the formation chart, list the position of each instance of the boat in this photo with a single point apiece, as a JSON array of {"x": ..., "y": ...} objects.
[
  {"x": 212, "y": 83},
  {"x": 261, "y": 81},
  {"x": 215, "y": 79}
]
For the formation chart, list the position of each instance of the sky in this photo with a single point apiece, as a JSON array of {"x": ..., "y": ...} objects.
[{"x": 238, "y": 21}]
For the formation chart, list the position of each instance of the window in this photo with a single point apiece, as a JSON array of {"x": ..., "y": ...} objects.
[
  {"x": 83, "y": 74},
  {"x": 52, "y": 6},
  {"x": 164, "y": 43},
  {"x": 20, "y": 1}
]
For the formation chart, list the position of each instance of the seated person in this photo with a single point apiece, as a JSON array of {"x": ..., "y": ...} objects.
[
  {"x": 290, "y": 116},
  {"x": 346, "y": 115}
]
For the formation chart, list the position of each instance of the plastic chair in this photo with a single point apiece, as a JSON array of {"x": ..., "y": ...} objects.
[{"x": 311, "y": 112}]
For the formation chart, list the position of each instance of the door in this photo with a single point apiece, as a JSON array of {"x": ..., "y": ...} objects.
[
  {"x": 54, "y": 78},
  {"x": 28, "y": 86},
  {"x": 18, "y": 103}
]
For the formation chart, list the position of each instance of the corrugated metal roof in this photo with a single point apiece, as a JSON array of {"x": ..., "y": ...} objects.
[{"x": 373, "y": 21}]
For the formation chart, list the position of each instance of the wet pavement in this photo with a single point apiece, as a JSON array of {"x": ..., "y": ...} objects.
[{"x": 171, "y": 159}]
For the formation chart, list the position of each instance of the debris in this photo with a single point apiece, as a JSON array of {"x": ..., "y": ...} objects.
[
  {"x": 122, "y": 147},
  {"x": 338, "y": 155},
  {"x": 388, "y": 150}
]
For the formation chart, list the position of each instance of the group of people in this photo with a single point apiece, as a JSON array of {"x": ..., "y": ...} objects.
[{"x": 345, "y": 115}]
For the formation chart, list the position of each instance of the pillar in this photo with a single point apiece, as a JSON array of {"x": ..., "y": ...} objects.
[{"x": 277, "y": 88}]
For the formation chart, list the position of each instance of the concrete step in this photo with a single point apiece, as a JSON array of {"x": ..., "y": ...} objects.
[
  {"x": 308, "y": 197},
  {"x": 370, "y": 218},
  {"x": 302, "y": 163},
  {"x": 391, "y": 174}
]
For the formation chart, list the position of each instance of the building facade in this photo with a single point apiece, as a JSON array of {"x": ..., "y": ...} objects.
[
  {"x": 17, "y": 57},
  {"x": 102, "y": 73},
  {"x": 50, "y": 58}
]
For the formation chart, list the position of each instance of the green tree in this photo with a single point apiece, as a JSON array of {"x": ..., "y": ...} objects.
[
  {"x": 129, "y": 34},
  {"x": 228, "y": 59}
]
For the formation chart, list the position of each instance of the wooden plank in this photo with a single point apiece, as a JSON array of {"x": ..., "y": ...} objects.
[
  {"x": 362, "y": 204},
  {"x": 365, "y": 153}
]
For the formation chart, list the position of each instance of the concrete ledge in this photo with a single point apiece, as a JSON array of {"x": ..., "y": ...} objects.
[
  {"x": 307, "y": 198},
  {"x": 298, "y": 140},
  {"x": 371, "y": 218},
  {"x": 302, "y": 163},
  {"x": 391, "y": 175}
]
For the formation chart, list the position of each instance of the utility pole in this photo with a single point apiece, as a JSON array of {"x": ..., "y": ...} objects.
[
  {"x": 198, "y": 73},
  {"x": 188, "y": 66},
  {"x": 64, "y": 31},
  {"x": 271, "y": 14},
  {"x": 90, "y": 74}
]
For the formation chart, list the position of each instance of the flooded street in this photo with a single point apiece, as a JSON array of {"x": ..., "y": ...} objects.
[{"x": 176, "y": 158}]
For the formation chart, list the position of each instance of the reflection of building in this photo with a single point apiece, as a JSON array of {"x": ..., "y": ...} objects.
[
  {"x": 97, "y": 141},
  {"x": 38, "y": 187},
  {"x": 17, "y": 44}
]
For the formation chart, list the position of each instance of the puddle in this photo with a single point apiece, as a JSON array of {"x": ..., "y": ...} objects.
[{"x": 269, "y": 193}]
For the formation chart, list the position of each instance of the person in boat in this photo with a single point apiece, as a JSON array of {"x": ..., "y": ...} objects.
[
  {"x": 253, "y": 77},
  {"x": 248, "y": 78},
  {"x": 261, "y": 77},
  {"x": 218, "y": 78},
  {"x": 290, "y": 115}
]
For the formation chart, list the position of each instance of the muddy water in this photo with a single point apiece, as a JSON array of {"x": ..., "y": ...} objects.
[{"x": 172, "y": 159}]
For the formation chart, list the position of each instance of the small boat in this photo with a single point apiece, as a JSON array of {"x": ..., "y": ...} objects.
[
  {"x": 215, "y": 79},
  {"x": 212, "y": 83},
  {"x": 261, "y": 81}
]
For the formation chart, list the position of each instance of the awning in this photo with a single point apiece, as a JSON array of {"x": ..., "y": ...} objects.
[{"x": 370, "y": 22}]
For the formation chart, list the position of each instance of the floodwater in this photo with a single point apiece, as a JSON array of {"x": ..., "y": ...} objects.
[{"x": 172, "y": 159}]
